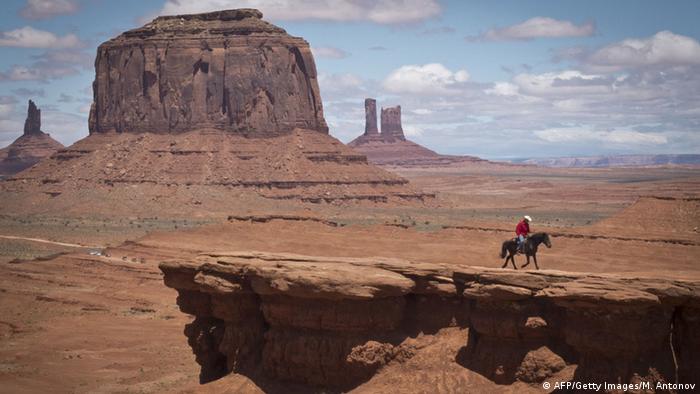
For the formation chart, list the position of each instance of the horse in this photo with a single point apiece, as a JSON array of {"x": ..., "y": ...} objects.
[{"x": 531, "y": 244}]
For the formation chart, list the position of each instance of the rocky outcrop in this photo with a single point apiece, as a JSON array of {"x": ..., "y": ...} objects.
[
  {"x": 225, "y": 70},
  {"x": 31, "y": 147},
  {"x": 391, "y": 123},
  {"x": 371, "y": 117},
  {"x": 390, "y": 147},
  {"x": 334, "y": 322}
]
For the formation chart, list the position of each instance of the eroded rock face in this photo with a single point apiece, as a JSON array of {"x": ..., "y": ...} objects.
[
  {"x": 31, "y": 147},
  {"x": 226, "y": 70},
  {"x": 333, "y": 322},
  {"x": 391, "y": 123},
  {"x": 390, "y": 147},
  {"x": 371, "y": 117},
  {"x": 32, "y": 125}
]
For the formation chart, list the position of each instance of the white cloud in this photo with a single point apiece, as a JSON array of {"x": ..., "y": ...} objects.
[
  {"x": 412, "y": 131},
  {"x": 29, "y": 37},
  {"x": 537, "y": 27},
  {"x": 618, "y": 137},
  {"x": 50, "y": 65},
  {"x": 575, "y": 112},
  {"x": 422, "y": 111},
  {"x": 563, "y": 83},
  {"x": 503, "y": 89},
  {"x": 432, "y": 78},
  {"x": 663, "y": 48},
  {"x": 377, "y": 11},
  {"x": 329, "y": 52},
  {"x": 43, "y": 9}
]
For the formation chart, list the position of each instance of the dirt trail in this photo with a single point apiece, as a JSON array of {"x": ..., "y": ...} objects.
[{"x": 47, "y": 241}]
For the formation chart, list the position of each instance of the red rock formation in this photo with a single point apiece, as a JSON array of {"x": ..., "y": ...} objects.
[
  {"x": 390, "y": 147},
  {"x": 32, "y": 125},
  {"x": 205, "y": 112},
  {"x": 226, "y": 70},
  {"x": 333, "y": 322},
  {"x": 391, "y": 124},
  {"x": 371, "y": 117},
  {"x": 27, "y": 150}
]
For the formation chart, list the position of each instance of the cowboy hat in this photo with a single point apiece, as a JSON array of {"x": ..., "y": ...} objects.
[{"x": 526, "y": 217}]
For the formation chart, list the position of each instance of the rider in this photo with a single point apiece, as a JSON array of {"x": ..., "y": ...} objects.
[{"x": 522, "y": 230}]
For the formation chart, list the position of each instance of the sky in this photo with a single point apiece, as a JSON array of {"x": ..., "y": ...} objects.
[{"x": 496, "y": 79}]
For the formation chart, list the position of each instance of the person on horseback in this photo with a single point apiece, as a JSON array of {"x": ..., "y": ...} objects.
[{"x": 521, "y": 231}]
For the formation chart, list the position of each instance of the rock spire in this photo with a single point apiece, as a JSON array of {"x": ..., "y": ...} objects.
[{"x": 32, "y": 125}]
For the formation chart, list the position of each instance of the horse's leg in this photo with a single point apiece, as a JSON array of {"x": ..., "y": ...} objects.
[
  {"x": 534, "y": 257},
  {"x": 505, "y": 263},
  {"x": 528, "y": 261},
  {"x": 512, "y": 260}
]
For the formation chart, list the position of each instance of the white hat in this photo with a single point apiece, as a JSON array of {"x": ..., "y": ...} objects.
[{"x": 529, "y": 219}]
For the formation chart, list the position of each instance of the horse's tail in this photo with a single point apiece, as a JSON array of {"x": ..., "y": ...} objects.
[{"x": 504, "y": 249}]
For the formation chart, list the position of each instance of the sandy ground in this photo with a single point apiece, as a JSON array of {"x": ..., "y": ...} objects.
[{"x": 82, "y": 323}]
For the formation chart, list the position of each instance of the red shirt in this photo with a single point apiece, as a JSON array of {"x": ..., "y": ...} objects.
[{"x": 523, "y": 228}]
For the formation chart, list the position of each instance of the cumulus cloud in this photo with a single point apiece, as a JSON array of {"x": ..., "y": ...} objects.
[
  {"x": 44, "y": 9},
  {"x": 29, "y": 37},
  {"x": 7, "y": 106},
  {"x": 377, "y": 11},
  {"x": 329, "y": 52},
  {"x": 50, "y": 65},
  {"x": 563, "y": 83},
  {"x": 537, "y": 27},
  {"x": 568, "y": 112},
  {"x": 432, "y": 78},
  {"x": 503, "y": 89},
  {"x": 663, "y": 48}
]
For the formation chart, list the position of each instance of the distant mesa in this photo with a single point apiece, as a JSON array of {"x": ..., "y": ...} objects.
[
  {"x": 32, "y": 146},
  {"x": 616, "y": 161},
  {"x": 204, "y": 113},
  {"x": 390, "y": 146}
]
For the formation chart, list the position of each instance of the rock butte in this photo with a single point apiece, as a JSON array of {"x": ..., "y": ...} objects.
[
  {"x": 333, "y": 322},
  {"x": 202, "y": 114},
  {"x": 390, "y": 146},
  {"x": 226, "y": 70},
  {"x": 32, "y": 146}
]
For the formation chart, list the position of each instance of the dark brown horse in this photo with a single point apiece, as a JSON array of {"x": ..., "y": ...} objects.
[{"x": 531, "y": 244}]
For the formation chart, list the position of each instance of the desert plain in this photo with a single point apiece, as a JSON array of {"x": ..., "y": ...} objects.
[{"x": 211, "y": 236}]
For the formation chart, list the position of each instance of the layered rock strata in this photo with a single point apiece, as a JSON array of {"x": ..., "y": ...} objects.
[
  {"x": 226, "y": 70},
  {"x": 334, "y": 322},
  {"x": 31, "y": 147},
  {"x": 203, "y": 114}
]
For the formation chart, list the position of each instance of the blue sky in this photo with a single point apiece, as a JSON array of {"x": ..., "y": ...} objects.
[{"x": 499, "y": 79}]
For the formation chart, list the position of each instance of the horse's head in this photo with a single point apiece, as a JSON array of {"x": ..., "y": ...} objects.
[{"x": 547, "y": 241}]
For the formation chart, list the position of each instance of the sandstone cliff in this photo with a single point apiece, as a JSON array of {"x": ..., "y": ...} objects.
[
  {"x": 334, "y": 322},
  {"x": 226, "y": 70},
  {"x": 32, "y": 146}
]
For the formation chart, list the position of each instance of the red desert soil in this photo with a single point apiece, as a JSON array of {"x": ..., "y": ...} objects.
[{"x": 107, "y": 324}]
